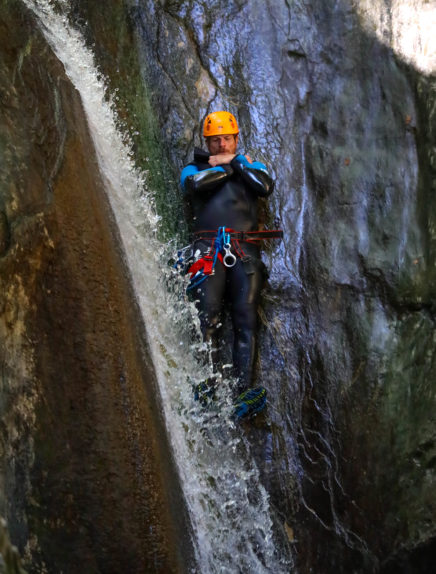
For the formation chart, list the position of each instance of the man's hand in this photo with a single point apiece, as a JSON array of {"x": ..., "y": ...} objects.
[
  {"x": 224, "y": 158},
  {"x": 221, "y": 159}
]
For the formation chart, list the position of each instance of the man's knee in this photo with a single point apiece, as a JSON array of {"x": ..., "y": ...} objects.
[{"x": 210, "y": 323}]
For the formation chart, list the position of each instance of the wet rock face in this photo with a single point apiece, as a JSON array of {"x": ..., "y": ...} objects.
[
  {"x": 4, "y": 233},
  {"x": 9, "y": 559},
  {"x": 347, "y": 326},
  {"x": 86, "y": 482}
]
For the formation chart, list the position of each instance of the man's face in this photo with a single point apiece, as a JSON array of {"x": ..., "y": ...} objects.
[{"x": 224, "y": 143}]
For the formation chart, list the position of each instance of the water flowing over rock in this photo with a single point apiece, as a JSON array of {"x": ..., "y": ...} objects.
[
  {"x": 87, "y": 482},
  {"x": 339, "y": 98}
]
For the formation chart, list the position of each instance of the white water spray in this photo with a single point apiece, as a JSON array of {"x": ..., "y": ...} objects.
[{"x": 228, "y": 507}]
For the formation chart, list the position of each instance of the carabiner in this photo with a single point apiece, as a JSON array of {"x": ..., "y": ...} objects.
[{"x": 228, "y": 255}]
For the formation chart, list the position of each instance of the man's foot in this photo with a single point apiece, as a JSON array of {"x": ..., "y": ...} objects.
[
  {"x": 250, "y": 402},
  {"x": 204, "y": 392}
]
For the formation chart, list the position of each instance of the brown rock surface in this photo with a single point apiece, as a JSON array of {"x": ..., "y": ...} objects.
[{"x": 87, "y": 481}]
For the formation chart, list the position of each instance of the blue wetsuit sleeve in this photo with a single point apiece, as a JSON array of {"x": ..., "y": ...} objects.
[
  {"x": 186, "y": 172},
  {"x": 195, "y": 181},
  {"x": 255, "y": 175}
]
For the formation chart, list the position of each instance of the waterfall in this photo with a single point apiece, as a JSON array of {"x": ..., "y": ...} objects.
[{"x": 232, "y": 521}]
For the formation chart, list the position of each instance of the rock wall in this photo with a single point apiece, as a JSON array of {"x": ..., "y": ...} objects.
[
  {"x": 9, "y": 558},
  {"x": 87, "y": 481},
  {"x": 325, "y": 94}
]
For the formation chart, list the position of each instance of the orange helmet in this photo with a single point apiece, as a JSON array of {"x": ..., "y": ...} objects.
[{"x": 218, "y": 123}]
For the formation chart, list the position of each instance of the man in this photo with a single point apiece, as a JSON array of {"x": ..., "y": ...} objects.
[{"x": 222, "y": 188}]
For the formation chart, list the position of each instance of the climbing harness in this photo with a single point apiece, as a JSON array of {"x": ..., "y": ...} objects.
[
  {"x": 204, "y": 266},
  {"x": 223, "y": 241},
  {"x": 247, "y": 236}
]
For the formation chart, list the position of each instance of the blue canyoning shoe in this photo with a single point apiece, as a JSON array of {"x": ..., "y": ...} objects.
[
  {"x": 204, "y": 392},
  {"x": 250, "y": 402}
]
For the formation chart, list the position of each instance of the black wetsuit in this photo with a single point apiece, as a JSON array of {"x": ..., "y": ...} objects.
[{"x": 227, "y": 196}]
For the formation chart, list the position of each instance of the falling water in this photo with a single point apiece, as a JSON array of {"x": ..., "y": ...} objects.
[{"x": 229, "y": 508}]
